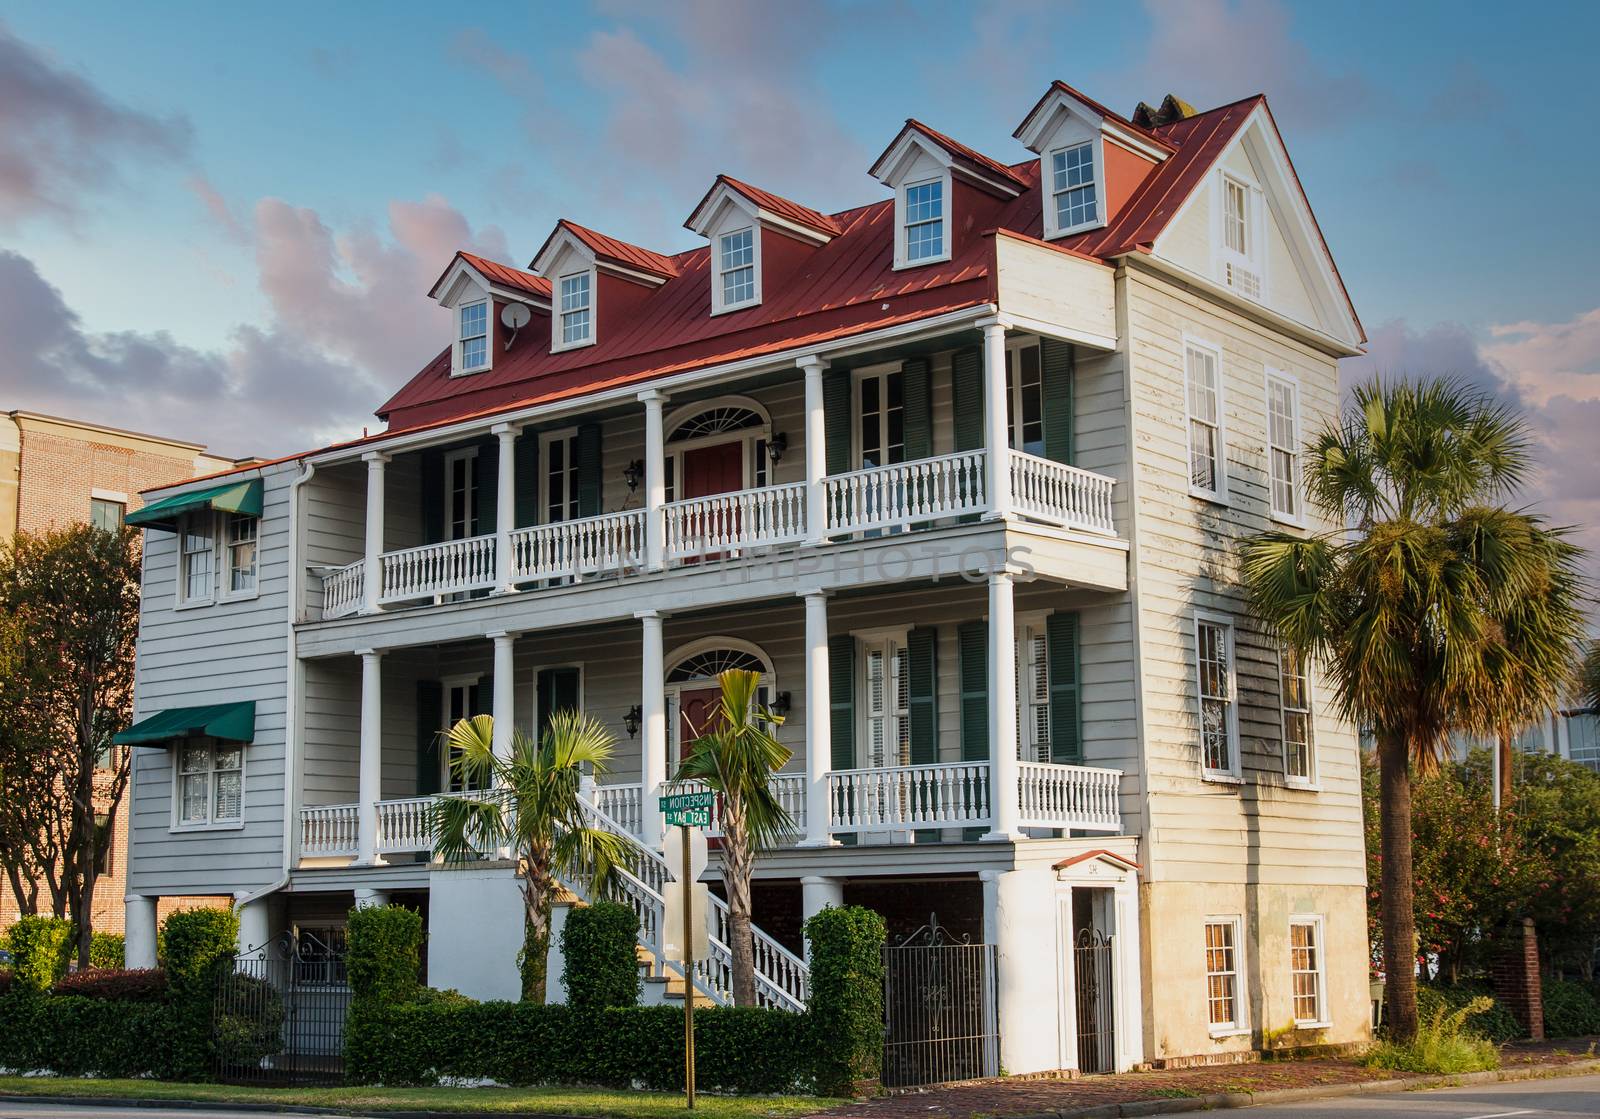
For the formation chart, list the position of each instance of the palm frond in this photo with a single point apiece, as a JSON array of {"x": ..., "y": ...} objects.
[{"x": 738, "y": 757}]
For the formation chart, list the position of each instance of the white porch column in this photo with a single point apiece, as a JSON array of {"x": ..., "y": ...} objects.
[
  {"x": 997, "y": 435},
  {"x": 1128, "y": 974},
  {"x": 653, "y": 704},
  {"x": 819, "y": 721},
  {"x": 368, "y": 898},
  {"x": 816, "y": 894},
  {"x": 1025, "y": 924},
  {"x": 504, "y": 695},
  {"x": 370, "y": 785},
  {"x": 1004, "y": 771},
  {"x": 255, "y": 928},
  {"x": 372, "y": 574},
  {"x": 505, "y": 506},
  {"x": 139, "y": 931},
  {"x": 816, "y": 450},
  {"x": 655, "y": 481}
]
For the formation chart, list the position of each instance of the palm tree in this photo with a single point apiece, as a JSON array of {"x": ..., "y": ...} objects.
[
  {"x": 529, "y": 804},
  {"x": 1589, "y": 676},
  {"x": 1404, "y": 609},
  {"x": 737, "y": 758}
]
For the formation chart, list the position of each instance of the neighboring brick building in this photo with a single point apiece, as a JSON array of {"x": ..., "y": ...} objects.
[{"x": 55, "y": 472}]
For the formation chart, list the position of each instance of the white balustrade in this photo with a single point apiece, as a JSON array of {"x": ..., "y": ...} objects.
[
  {"x": 328, "y": 830},
  {"x": 450, "y": 567},
  {"x": 724, "y": 523},
  {"x": 622, "y": 803},
  {"x": 902, "y": 797},
  {"x": 906, "y": 492},
  {"x": 788, "y": 788},
  {"x": 1069, "y": 796},
  {"x": 343, "y": 589},
  {"x": 403, "y": 825},
  {"x": 588, "y": 546},
  {"x": 1061, "y": 494}
]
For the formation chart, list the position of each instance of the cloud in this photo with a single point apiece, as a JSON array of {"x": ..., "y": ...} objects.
[
  {"x": 61, "y": 137},
  {"x": 217, "y": 207}
]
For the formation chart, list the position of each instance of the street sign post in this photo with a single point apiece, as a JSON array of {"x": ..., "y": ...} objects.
[{"x": 688, "y": 812}]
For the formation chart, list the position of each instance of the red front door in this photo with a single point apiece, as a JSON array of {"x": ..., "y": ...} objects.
[
  {"x": 697, "y": 714},
  {"x": 708, "y": 471}
]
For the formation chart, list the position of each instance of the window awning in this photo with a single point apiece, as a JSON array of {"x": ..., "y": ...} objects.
[
  {"x": 234, "y": 722},
  {"x": 234, "y": 497}
]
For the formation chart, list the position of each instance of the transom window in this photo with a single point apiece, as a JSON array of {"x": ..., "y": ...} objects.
[
  {"x": 1205, "y": 430},
  {"x": 717, "y": 421},
  {"x": 107, "y": 515},
  {"x": 1033, "y": 694},
  {"x": 924, "y": 220},
  {"x": 196, "y": 575},
  {"x": 561, "y": 478},
  {"x": 1283, "y": 438},
  {"x": 1305, "y": 969},
  {"x": 737, "y": 264},
  {"x": 461, "y": 495},
  {"x": 1025, "y": 398},
  {"x": 883, "y": 418},
  {"x": 888, "y": 704},
  {"x": 242, "y": 533},
  {"x": 210, "y": 783},
  {"x": 1072, "y": 187},
  {"x": 1222, "y": 974},
  {"x": 709, "y": 664},
  {"x": 576, "y": 325},
  {"x": 1299, "y": 756},
  {"x": 474, "y": 336},
  {"x": 1219, "y": 731}
]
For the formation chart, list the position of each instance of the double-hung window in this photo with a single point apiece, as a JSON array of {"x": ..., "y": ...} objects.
[
  {"x": 1025, "y": 398},
  {"x": 1224, "y": 1009},
  {"x": 210, "y": 784},
  {"x": 1033, "y": 693},
  {"x": 1219, "y": 717},
  {"x": 888, "y": 704},
  {"x": 474, "y": 339},
  {"x": 243, "y": 531},
  {"x": 196, "y": 558},
  {"x": 461, "y": 495},
  {"x": 107, "y": 515},
  {"x": 461, "y": 701},
  {"x": 561, "y": 477},
  {"x": 1203, "y": 389},
  {"x": 736, "y": 262},
  {"x": 1241, "y": 269},
  {"x": 576, "y": 310},
  {"x": 883, "y": 417},
  {"x": 1072, "y": 187},
  {"x": 1299, "y": 736},
  {"x": 1306, "y": 970},
  {"x": 924, "y": 221},
  {"x": 1283, "y": 445}
]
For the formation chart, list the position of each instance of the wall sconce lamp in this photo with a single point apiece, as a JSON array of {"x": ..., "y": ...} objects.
[
  {"x": 633, "y": 474},
  {"x": 631, "y": 720},
  {"x": 778, "y": 444},
  {"x": 780, "y": 705}
]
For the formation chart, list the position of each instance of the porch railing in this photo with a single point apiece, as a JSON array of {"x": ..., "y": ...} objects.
[
  {"x": 403, "y": 825},
  {"x": 788, "y": 788},
  {"x": 905, "y": 493},
  {"x": 902, "y": 797},
  {"x": 451, "y": 567},
  {"x": 329, "y": 830},
  {"x": 344, "y": 589},
  {"x": 1078, "y": 796},
  {"x": 587, "y": 546},
  {"x": 622, "y": 803},
  {"x": 728, "y": 522},
  {"x": 1062, "y": 494}
]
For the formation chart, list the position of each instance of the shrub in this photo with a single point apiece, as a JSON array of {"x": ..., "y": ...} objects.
[
  {"x": 248, "y": 1021},
  {"x": 197, "y": 942},
  {"x": 602, "y": 966},
  {"x": 1570, "y": 1009},
  {"x": 75, "y": 1036},
  {"x": 40, "y": 949},
  {"x": 138, "y": 985},
  {"x": 1495, "y": 1021},
  {"x": 1444, "y": 1044},
  {"x": 383, "y": 953},
  {"x": 846, "y": 996},
  {"x": 106, "y": 951},
  {"x": 5, "y": 981}
]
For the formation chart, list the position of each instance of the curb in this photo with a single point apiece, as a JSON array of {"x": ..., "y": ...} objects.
[{"x": 132, "y": 1102}]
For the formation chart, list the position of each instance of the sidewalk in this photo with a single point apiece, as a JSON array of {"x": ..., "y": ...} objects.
[{"x": 1037, "y": 1098}]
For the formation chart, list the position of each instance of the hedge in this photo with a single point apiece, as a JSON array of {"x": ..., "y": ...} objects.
[
  {"x": 745, "y": 1050},
  {"x": 137, "y": 985},
  {"x": 1497, "y": 1023},
  {"x": 76, "y": 1036},
  {"x": 383, "y": 953},
  {"x": 847, "y": 996},
  {"x": 601, "y": 965},
  {"x": 40, "y": 949},
  {"x": 1570, "y": 1009},
  {"x": 196, "y": 942},
  {"x": 106, "y": 951}
]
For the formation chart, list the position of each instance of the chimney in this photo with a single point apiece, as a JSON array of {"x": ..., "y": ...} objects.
[{"x": 1172, "y": 108}]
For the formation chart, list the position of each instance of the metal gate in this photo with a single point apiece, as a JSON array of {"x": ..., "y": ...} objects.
[
  {"x": 940, "y": 1022},
  {"x": 279, "y": 1010},
  {"x": 1097, "y": 1043}
]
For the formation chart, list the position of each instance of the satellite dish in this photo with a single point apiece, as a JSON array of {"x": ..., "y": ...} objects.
[{"x": 516, "y": 315}]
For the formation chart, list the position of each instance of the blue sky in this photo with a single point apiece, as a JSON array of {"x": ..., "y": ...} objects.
[{"x": 220, "y": 220}]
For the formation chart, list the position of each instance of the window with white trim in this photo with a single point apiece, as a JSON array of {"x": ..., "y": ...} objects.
[
  {"x": 209, "y": 789},
  {"x": 880, "y": 400},
  {"x": 560, "y": 453},
  {"x": 472, "y": 347},
  {"x": 107, "y": 515},
  {"x": 1224, "y": 1009},
  {"x": 459, "y": 694},
  {"x": 736, "y": 267},
  {"x": 1283, "y": 445},
  {"x": 1072, "y": 187},
  {"x": 1306, "y": 973},
  {"x": 1299, "y": 736},
  {"x": 196, "y": 558},
  {"x": 1219, "y": 717},
  {"x": 461, "y": 494},
  {"x": 1203, "y": 391},
  {"x": 1033, "y": 693},
  {"x": 1025, "y": 397},
  {"x": 243, "y": 531},
  {"x": 1241, "y": 251},
  {"x": 576, "y": 311},
  {"x": 924, "y": 220},
  {"x": 887, "y": 711}
]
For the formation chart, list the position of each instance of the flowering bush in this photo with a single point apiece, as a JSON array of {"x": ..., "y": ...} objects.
[{"x": 137, "y": 985}]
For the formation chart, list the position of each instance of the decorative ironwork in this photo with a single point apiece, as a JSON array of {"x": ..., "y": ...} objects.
[
  {"x": 940, "y": 1017},
  {"x": 278, "y": 1011},
  {"x": 1096, "y": 1009}
]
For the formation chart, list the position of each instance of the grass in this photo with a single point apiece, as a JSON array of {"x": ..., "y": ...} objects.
[
  {"x": 600, "y": 1103},
  {"x": 1443, "y": 1045}
]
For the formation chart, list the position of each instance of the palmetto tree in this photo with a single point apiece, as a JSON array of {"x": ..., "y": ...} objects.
[
  {"x": 529, "y": 804},
  {"x": 737, "y": 757},
  {"x": 1589, "y": 676},
  {"x": 1405, "y": 608}
]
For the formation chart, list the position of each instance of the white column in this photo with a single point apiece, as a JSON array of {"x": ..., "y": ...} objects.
[
  {"x": 505, "y": 506},
  {"x": 372, "y": 575},
  {"x": 1026, "y": 933},
  {"x": 504, "y": 697},
  {"x": 819, "y": 722},
  {"x": 138, "y": 931},
  {"x": 1004, "y": 771},
  {"x": 1127, "y": 974},
  {"x": 817, "y": 894},
  {"x": 368, "y": 898},
  {"x": 997, "y": 436},
  {"x": 655, "y": 481},
  {"x": 816, "y": 450},
  {"x": 653, "y": 703},
  {"x": 370, "y": 785},
  {"x": 255, "y": 928}
]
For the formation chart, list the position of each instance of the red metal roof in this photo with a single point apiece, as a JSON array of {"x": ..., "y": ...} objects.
[
  {"x": 972, "y": 158},
  {"x": 503, "y": 274},
  {"x": 1153, "y": 135},
  {"x": 613, "y": 251},
  {"x": 783, "y": 207}
]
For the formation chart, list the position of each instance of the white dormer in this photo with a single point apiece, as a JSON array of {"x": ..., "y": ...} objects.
[
  {"x": 569, "y": 264},
  {"x": 732, "y": 224},
  {"x": 470, "y": 289},
  {"x": 919, "y": 173}
]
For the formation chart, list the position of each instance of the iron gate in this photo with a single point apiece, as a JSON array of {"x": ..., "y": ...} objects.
[
  {"x": 278, "y": 1013},
  {"x": 940, "y": 1022},
  {"x": 1097, "y": 1049}
]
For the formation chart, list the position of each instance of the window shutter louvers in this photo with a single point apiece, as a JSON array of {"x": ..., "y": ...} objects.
[
  {"x": 972, "y": 639},
  {"x": 922, "y": 652},
  {"x": 842, "y": 700},
  {"x": 487, "y": 494},
  {"x": 431, "y": 493},
  {"x": 589, "y": 465},
  {"x": 1057, "y": 365},
  {"x": 966, "y": 389},
  {"x": 526, "y": 472},
  {"x": 917, "y": 402},
  {"x": 1066, "y": 700},
  {"x": 836, "y": 420},
  {"x": 430, "y": 715}
]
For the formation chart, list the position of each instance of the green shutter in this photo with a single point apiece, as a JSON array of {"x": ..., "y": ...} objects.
[
  {"x": 842, "y": 700},
  {"x": 430, "y": 715},
  {"x": 1057, "y": 362},
  {"x": 487, "y": 494},
  {"x": 480, "y": 697},
  {"x": 431, "y": 494},
  {"x": 1066, "y": 701},
  {"x": 922, "y": 652},
  {"x": 526, "y": 472},
  {"x": 836, "y": 420},
  {"x": 917, "y": 398},
  {"x": 589, "y": 461},
  {"x": 557, "y": 690},
  {"x": 972, "y": 638},
  {"x": 966, "y": 390}
]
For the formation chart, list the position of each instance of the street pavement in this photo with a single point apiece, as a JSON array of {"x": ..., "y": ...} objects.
[{"x": 1525, "y": 1099}]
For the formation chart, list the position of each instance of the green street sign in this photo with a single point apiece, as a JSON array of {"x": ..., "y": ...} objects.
[
  {"x": 689, "y": 818},
  {"x": 688, "y": 810}
]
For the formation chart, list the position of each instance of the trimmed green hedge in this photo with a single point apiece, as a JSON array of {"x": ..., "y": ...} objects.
[
  {"x": 743, "y": 1050},
  {"x": 601, "y": 965},
  {"x": 196, "y": 943},
  {"x": 76, "y": 1036},
  {"x": 847, "y": 996},
  {"x": 1570, "y": 1009},
  {"x": 106, "y": 951},
  {"x": 383, "y": 954},
  {"x": 40, "y": 949}
]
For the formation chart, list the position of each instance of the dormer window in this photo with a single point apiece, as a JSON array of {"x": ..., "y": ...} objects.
[
  {"x": 1240, "y": 236},
  {"x": 1073, "y": 188},
  {"x": 472, "y": 340},
  {"x": 576, "y": 321},
  {"x": 736, "y": 267},
  {"x": 924, "y": 218}
]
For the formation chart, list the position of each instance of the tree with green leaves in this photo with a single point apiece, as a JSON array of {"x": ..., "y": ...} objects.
[
  {"x": 736, "y": 758},
  {"x": 529, "y": 804},
  {"x": 1404, "y": 601},
  {"x": 1589, "y": 677},
  {"x": 70, "y": 599}
]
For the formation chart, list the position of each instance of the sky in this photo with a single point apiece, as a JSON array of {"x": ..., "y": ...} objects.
[{"x": 220, "y": 221}]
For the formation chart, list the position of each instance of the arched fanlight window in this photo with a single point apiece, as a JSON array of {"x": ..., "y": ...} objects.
[
  {"x": 717, "y": 421},
  {"x": 707, "y": 665}
]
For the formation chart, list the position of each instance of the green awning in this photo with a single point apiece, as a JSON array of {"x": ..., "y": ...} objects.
[
  {"x": 234, "y": 497},
  {"x": 235, "y": 722}
]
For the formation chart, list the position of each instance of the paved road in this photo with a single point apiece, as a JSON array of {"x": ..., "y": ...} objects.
[{"x": 1527, "y": 1099}]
